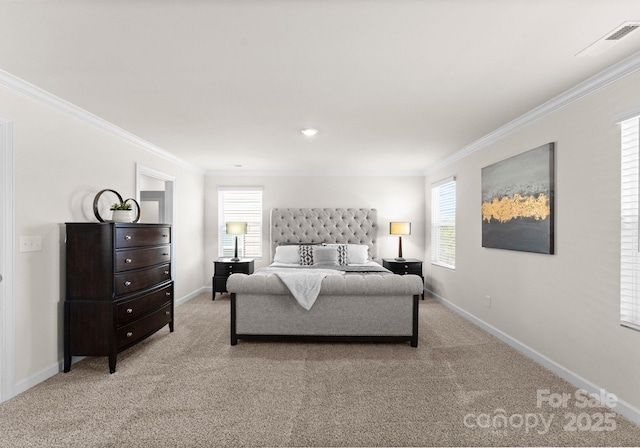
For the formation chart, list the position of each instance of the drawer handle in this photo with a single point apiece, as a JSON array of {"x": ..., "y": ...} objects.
[
  {"x": 165, "y": 255},
  {"x": 129, "y": 334},
  {"x": 128, "y": 260},
  {"x": 166, "y": 272},
  {"x": 129, "y": 310},
  {"x": 164, "y": 235},
  {"x": 127, "y": 237},
  {"x": 167, "y": 313},
  {"x": 167, "y": 294},
  {"x": 127, "y": 283}
]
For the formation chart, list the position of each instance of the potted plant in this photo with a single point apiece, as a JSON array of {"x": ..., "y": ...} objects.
[{"x": 122, "y": 212}]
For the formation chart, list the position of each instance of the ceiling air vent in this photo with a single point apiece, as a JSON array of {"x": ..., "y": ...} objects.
[
  {"x": 610, "y": 39},
  {"x": 619, "y": 34}
]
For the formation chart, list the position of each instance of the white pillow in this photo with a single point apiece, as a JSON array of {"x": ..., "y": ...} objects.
[
  {"x": 358, "y": 253},
  {"x": 325, "y": 256},
  {"x": 287, "y": 254}
]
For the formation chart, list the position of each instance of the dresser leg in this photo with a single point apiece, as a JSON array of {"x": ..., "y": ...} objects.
[
  {"x": 67, "y": 363},
  {"x": 112, "y": 363},
  {"x": 67, "y": 339}
]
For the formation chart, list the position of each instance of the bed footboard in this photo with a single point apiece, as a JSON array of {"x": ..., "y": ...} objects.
[{"x": 360, "y": 308}]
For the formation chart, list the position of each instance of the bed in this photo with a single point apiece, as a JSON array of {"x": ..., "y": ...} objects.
[{"x": 324, "y": 283}]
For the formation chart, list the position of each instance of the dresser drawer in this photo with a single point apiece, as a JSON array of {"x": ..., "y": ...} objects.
[
  {"x": 133, "y": 309},
  {"x": 131, "y": 281},
  {"x": 141, "y": 236},
  {"x": 128, "y": 334},
  {"x": 127, "y": 260}
]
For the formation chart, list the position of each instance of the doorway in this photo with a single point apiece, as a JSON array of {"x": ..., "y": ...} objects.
[
  {"x": 7, "y": 335},
  {"x": 155, "y": 192}
]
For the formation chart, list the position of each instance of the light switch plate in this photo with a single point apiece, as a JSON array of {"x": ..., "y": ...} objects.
[{"x": 30, "y": 243}]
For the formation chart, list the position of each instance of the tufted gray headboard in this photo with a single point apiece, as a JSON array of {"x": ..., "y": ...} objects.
[{"x": 325, "y": 225}]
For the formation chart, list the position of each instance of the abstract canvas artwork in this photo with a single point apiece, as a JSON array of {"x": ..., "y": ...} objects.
[{"x": 517, "y": 202}]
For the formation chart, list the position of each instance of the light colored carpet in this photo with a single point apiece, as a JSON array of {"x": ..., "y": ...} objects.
[{"x": 191, "y": 388}]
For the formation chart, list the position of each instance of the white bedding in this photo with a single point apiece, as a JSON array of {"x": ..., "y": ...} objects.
[
  {"x": 276, "y": 264},
  {"x": 304, "y": 282}
]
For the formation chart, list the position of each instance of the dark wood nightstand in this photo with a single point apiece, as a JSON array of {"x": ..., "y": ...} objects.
[
  {"x": 407, "y": 266},
  {"x": 223, "y": 268}
]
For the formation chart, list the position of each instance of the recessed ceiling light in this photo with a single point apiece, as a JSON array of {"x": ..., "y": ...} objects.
[{"x": 309, "y": 132}]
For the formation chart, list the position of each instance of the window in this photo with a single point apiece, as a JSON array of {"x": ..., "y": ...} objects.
[
  {"x": 629, "y": 249},
  {"x": 443, "y": 223},
  {"x": 240, "y": 204}
]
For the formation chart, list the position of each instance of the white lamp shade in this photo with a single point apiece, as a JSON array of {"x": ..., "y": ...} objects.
[
  {"x": 400, "y": 228},
  {"x": 236, "y": 228}
]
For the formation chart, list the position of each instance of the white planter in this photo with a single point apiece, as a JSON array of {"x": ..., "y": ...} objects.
[{"x": 123, "y": 216}]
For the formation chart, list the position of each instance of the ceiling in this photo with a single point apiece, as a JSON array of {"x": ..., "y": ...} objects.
[{"x": 392, "y": 86}]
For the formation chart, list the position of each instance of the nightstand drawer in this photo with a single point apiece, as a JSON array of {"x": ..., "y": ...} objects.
[
  {"x": 227, "y": 268},
  {"x": 403, "y": 268},
  {"x": 409, "y": 266}
]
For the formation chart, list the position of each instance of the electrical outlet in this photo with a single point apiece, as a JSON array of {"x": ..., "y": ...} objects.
[
  {"x": 487, "y": 301},
  {"x": 30, "y": 243}
]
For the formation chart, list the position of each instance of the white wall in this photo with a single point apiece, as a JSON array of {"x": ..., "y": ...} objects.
[
  {"x": 397, "y": 198},
  {"x": 61, "y": 162},
  {"x": 564, "y": 306}
]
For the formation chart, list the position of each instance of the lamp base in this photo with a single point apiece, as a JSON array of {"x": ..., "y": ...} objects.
[
  {"x": 400, "y": 259},
  {"x": 235, "y": 259}
]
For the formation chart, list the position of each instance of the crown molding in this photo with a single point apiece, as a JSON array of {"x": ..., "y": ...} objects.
[
  {"x": 611, "y": 75},
  {"x": 265, "y": 173},
  {"x": 24, "y": 88}
]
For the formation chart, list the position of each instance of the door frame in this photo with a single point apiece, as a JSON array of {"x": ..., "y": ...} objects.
[{"x": 7, "y": 316}]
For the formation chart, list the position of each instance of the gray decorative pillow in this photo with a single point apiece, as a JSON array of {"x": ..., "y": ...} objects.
[
  {"x": 343, "y": 252},
  {"x": 325, "y": 256},
  {"x": 306, "y": 255}
]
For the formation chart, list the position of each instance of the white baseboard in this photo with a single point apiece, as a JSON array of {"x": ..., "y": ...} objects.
[
  {"x": 54, "y": 369},
  {"x": 191, "y": 295},
  {"x": 622, "y": 407},
  {"x": 33, "y": 380}
]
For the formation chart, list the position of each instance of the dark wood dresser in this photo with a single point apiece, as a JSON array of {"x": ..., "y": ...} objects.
[{"x": 118, "y": 287}]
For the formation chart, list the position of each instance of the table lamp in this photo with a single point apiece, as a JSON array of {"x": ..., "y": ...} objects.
[
  {"x": 400, "y": 228},
  {"x": 236, "y": 228}
]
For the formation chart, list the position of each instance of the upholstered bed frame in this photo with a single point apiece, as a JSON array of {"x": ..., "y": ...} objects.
[
  {"x": 381, "y": 308},
  {"x": 325, "y": 225}
]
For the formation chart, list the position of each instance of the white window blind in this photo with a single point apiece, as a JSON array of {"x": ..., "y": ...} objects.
[
  {"x": 629, "y": 250},
  {"x": 443, "y": 223},
  {"x": 240, "y": 204}
]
